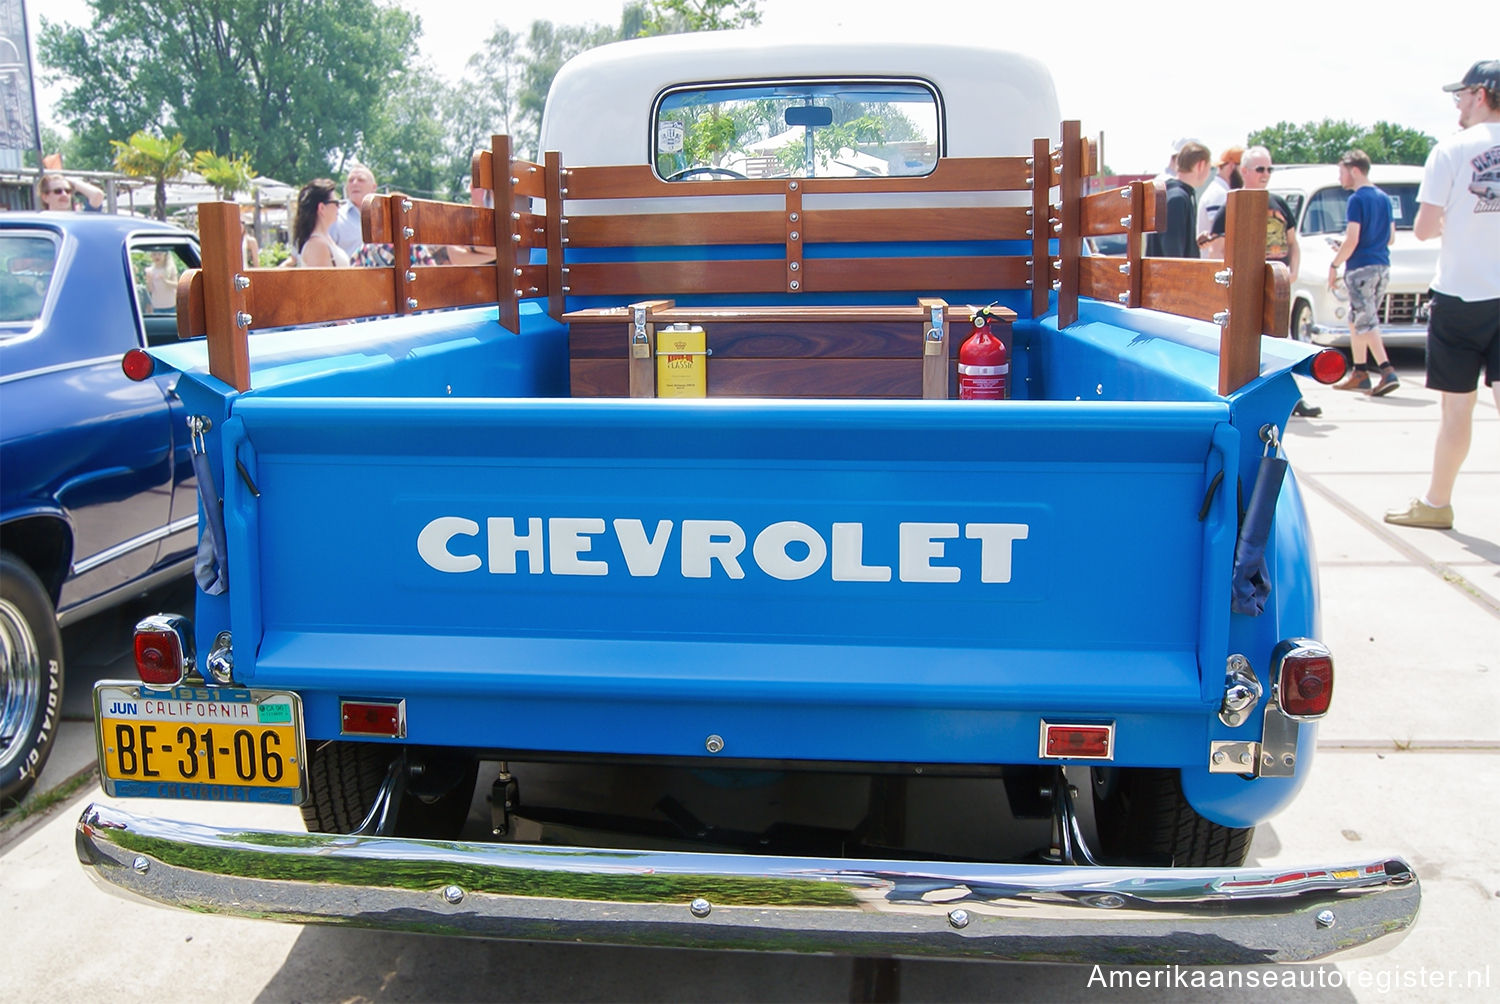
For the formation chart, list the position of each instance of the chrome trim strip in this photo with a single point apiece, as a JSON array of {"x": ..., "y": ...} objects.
[
  {"x": 77, "y": 364},
  {"x": 109, "y": 554},
  {"x": 1035, "y": 913}
]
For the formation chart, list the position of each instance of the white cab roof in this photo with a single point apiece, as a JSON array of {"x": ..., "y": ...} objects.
[{"x": 599, "y": 109}]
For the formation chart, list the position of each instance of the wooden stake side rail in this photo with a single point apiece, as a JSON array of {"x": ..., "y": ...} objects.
[{"x": 225, "y": 299}]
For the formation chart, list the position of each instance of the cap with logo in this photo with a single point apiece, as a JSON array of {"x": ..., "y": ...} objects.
[{"x": 1485, "y": 73}]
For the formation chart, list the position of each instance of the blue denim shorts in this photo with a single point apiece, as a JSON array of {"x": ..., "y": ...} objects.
[{"x": 1366, "y": 287}]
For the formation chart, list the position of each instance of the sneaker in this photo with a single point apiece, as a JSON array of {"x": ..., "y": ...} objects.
[
  {"x": 1419, "y": 513},
  {"x": 1389, "y": 381},
  {"x": 1356, "y": 380},
  {"x": 1305, "y": 410}
]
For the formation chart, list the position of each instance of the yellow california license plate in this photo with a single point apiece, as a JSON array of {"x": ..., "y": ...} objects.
[{"x": 224, "y": 744}]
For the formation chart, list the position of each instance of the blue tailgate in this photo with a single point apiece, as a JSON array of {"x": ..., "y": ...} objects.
[{"x": 884, "y": 581}]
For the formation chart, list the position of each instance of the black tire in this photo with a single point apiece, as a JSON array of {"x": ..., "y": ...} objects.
[
  {"x": 344, "y": 778},
  {"x": 1143, "y": 819},
  {"x": 31, "y": 678},
  {"x": 1301, "y": 330}
]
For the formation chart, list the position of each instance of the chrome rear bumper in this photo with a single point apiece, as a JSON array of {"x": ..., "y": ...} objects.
[{"x": 1036, "y": 913}]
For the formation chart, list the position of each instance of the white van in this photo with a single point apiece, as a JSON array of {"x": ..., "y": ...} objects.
[{"x": 1318, "y": 204}]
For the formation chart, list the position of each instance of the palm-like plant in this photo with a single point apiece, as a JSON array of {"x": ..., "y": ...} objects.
[
  {"x": 154, "y": 157},
  {"x": 229, "y": 175}
]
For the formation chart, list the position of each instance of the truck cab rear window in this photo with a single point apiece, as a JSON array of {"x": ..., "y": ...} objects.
[{"x": 797, "y": 129}]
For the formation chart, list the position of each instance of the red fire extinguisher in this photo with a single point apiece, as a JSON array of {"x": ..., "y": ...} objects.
[{"x": 983, "y": 363}]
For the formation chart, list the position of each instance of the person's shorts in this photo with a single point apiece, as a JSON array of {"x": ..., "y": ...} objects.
[
  {"x": 1366, "y": 286},
  {"x": 1463, "y": 338}
]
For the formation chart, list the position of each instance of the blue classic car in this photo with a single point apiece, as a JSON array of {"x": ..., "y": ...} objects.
[{"x": 97, "y": 494}]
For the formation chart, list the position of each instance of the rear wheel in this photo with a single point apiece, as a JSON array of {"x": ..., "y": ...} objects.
[
  {"x": 1302, "y": 322},
  {"x": 1143, "y": 818},
  {"x": 31, "y": 678},
  {"x": 345, "y": 777}
]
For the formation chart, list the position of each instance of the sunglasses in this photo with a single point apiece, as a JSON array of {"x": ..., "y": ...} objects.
[
  {"x": 59, "y": 191},
  {"x": 1458, "y": 96},
  {"x": 1262, "y": 170}
]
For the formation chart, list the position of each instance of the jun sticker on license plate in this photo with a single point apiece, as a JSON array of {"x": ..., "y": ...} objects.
[{"x": 221, "y": 744}]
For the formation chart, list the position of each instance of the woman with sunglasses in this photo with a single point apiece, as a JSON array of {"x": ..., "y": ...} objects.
[
  {"x": 317, "y": 208},
  {"x": 56, "y": 193}
]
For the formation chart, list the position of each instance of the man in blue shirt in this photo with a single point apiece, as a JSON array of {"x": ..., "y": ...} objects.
[{"x": 1366, "y": 256}]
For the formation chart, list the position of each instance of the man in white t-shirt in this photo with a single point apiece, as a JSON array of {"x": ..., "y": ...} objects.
[
  {"x": 1459, "y": 201},
  {"x": 347, "y": 230}
]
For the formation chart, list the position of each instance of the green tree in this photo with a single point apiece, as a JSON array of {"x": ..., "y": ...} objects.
[
  {"x": 1324, "y": 142},
  {"x": 403, "y": 146},
  {"x": 295, "y": 81},
  {"x": 155, "y": 157},
  {"x": 675, "y": 17},
  {"x": 230, "y": 175}
]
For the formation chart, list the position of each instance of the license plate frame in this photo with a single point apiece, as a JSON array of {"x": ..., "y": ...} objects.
[{"x": 242, "y": 730}]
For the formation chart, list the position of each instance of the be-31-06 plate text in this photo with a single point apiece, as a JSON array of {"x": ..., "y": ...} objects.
[{"x": 203, "y": 743}]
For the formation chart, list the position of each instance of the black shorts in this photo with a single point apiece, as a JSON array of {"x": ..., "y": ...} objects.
[{"x": 1463, "y": 338}]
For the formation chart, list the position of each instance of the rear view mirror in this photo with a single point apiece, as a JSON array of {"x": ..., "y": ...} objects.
[{"x": 809, "y": 115}]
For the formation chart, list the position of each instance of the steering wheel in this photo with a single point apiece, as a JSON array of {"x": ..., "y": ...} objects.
[{"x": 688, "y": 172}]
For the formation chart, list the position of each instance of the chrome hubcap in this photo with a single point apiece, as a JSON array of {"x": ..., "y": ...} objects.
[{"x": 20, "y": 681}]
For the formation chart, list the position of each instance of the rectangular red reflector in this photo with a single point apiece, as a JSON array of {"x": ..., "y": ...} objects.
[
  {"x": 158, "y": 657},
  {"x": 1078, "y": 742},
  {"x": 386, "y": 719}
]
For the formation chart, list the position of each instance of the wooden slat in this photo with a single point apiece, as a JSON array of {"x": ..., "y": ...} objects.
[
  {"x": 403, "y": 236},
  {"x": 952, "y": 174},
  {"x": 190, "y": 320},
  {"x": 599, "y": 377},
  {"x": 645, "y": 278},
  {"x": 1181, "y": 286},
  {"x": 1040, "y": 279},
  {"x": 554, "y": 226},
  {"x": 901, "y": 313},
  {"x": 899, "y": 378},
  {"x": 1100, "y": 278},
  {"x": 223, "y": 301},
  {"x": 530, "y": 179},
  {"x": 1105, "y": 212},
  {"x": 436, "y": 223},
  {"x": 438, "y": 286},
  {"x": 507, "y": 302},
  {"x": 970, "y": 223},
  {"x": 1276, "y": 309},
  {"x": 792, "y": 237},
  {"x": 1070, "y": 242},
  {"x": 844, "y": 275},
  {"x": 281, "y": 297},
  {"x": 1245, "y": 255},
  {"x": 685, "y": 229},
  {"x": 1145, "y": 204}
]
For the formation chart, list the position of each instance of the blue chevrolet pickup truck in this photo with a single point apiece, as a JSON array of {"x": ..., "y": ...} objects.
[
  {"x": 97, "y": 500},
  {"x": 676, "y": 523}
]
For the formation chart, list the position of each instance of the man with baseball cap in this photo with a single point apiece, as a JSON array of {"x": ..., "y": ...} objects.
[
  {"x": 1224, "y": 179},
  {"x": 1459, "y": 201}
]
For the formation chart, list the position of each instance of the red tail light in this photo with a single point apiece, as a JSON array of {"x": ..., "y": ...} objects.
[
  {"x": 163, "y": 650},
  {"x": 138, "y": 365},
  {"x": 1305, "y": 678},
  {"x": 1329, "y": 366}
]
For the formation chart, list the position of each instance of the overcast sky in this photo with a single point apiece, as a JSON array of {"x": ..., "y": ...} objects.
[{"x": 1143, "y": 75}]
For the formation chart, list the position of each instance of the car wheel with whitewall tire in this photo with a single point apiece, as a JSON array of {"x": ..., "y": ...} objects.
[
  {"x": 1302, "y": 322},
  {"x": 345, "y": 777},
  {"x": 1144, "y": 819},
  {"x": 31, "y": 678}
]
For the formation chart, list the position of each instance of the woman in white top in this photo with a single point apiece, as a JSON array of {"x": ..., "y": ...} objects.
[
  {"x": 161, "y": 282},
  {"x": 317, "y": 208}
]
